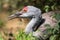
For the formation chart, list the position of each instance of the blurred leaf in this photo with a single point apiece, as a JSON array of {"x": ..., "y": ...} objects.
[
  {"x": 47, "y": 25},
  {"x": 53, "y": 37},
  {"x": 57, "y": 16},
  {"x": 23, "y": 36},
  {"x": 46, "y": 8}
]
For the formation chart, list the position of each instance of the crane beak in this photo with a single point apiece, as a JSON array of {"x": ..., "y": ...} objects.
[{"x": 11, "y": 17}]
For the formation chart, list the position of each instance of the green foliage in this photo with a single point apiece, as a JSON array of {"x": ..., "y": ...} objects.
[
  {"x": 57, "y": 16},
  {"x": 54, "y": 32},
  {"x": 46, "y": 8},
  {"x": 53, "y": 37},
  {"x": 44, "y": 5},
  {"x": 1, "y": 37},
  {"x": 47, "y": 25},
  {"x": 1, "y": 23},
  {"x": 23, "y": 36}
]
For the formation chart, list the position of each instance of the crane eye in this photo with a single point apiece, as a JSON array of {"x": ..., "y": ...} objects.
[{"x": 25, "y": 9}]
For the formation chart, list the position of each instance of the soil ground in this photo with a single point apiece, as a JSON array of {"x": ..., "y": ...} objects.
[{"x": 12, "y": 25}]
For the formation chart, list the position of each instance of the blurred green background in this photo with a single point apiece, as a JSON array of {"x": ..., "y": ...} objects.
[{"x": 44, "y": 5}]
